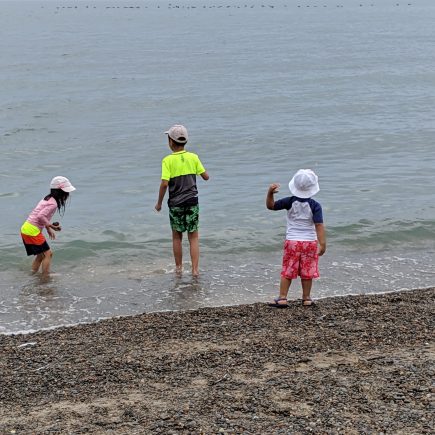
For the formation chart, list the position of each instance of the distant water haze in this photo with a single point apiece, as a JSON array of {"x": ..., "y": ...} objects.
[{"x": 88, "y": 88}]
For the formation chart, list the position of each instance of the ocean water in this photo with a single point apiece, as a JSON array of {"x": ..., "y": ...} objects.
[{"x": 88, "y": 88}]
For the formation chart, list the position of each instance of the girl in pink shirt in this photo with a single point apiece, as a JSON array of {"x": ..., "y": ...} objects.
[{"x": 40, "y": 218}]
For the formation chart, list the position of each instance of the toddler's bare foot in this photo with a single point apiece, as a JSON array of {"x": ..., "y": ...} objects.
[
  {"x": 308, "y": 303},
  {"x": 195, "y": 273},
  {"x": 279, "y": 302}
]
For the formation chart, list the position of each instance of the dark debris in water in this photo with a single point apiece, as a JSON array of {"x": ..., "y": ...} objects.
[{"x": 305, "y": 5}]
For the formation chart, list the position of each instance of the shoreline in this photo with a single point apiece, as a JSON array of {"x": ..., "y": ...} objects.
[
  {"x": 123, "y": 316},
  {"x": 350, "y": 364}
]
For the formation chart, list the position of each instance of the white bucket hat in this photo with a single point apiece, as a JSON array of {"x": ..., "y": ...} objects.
[
  {"x": 62, "y": 183},
  {"x": 178, "y": 133},
  {"x": 304, "y": 184}
]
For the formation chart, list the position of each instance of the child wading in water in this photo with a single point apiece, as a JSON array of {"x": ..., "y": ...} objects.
[
  {"x": 305, "y": 235},
  {"x": 31, "y": 231},
  {"x": 179, "y": 171}
]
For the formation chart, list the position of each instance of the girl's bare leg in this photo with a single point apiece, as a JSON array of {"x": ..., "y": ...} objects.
[
  {"x": 306, "y": 290},
  {"x": 46, "y": 262},
  {"x": 177, "y": 248},
  {"x": 37, "y": 263},
  {"x": 194, "y": 252}
]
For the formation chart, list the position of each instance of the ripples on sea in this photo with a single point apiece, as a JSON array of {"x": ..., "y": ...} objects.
[{"x": 89, "y": 87}]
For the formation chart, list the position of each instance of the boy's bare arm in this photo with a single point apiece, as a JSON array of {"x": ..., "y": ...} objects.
[
  {"x": 162, "y": 192},
  {"x": 270, "y": 200},
  {"x": 321, "y": 237},
  {"x": 204, "y": 176}
]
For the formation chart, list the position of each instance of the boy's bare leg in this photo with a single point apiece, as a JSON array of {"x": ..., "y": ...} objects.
[
  {"x": 194, "y": 252},
  {"x": 46, "y": 262},
  {"x": 284, "y": 287},
  {"x": 37, "y": 263},
  {"x": 177, "y": 247},
  {"x": 306, "y": 290}
]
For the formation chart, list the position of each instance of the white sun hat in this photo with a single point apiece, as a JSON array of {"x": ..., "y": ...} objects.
[
  {"x": 304, "y": 184},
  {"x": 62, "y": 183},
  {"x": 178, "y": 133}
]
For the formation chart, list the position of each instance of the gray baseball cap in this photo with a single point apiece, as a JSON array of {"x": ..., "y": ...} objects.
[{"x": 178, "y": 133}]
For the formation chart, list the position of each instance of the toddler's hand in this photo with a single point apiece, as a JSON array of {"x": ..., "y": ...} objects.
[
  {"x": 274, "y": 188},
  {"x": 321, "y": 249},
  {"x": 158, "y": 207}
]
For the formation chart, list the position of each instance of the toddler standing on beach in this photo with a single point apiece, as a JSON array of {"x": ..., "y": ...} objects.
[
  {"x": 305, "y": 235},
  {"x": 179, "y": 171},
  {"x": 31, "y": 231}
]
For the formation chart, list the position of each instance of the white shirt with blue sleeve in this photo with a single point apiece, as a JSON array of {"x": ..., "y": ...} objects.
[{"x": 302, "y": 215}]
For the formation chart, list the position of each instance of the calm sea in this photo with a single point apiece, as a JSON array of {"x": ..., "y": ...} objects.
[{"x": 346, "y": 88}]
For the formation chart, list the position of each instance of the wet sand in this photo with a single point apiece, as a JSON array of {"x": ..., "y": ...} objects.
[{"x": 349, "y": 365}]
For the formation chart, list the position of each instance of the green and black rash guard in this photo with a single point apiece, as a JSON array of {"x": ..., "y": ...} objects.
[{"x": 180, "y": 169}]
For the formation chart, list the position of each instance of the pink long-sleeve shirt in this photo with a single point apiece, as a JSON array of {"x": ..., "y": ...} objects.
[{"x": 42, "y": 213}]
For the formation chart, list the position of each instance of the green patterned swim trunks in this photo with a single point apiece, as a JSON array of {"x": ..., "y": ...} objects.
[{"x": 184, "y": 219}]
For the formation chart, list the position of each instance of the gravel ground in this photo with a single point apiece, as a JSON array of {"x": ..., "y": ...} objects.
[{"x": 351, "y": 365}]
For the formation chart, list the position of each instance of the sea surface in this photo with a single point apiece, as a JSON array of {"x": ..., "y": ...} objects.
[{"x": 346, "y": 88}]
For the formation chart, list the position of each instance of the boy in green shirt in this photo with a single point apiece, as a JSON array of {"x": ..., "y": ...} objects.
[{"x": 179, "y": 171}]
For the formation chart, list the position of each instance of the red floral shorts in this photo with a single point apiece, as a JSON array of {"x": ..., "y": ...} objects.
[{"x": 300, "y": 259}]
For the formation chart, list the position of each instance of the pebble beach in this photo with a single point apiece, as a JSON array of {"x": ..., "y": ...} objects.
[{"x": 349, "y": 365}]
